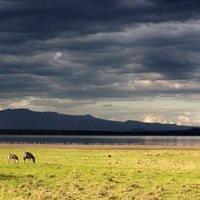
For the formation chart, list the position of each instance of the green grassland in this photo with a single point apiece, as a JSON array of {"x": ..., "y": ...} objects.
[{"x": 88, "y": 173}]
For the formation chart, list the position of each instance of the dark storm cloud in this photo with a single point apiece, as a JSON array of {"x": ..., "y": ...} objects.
[
  {"x": 44, "y": 19},
  {"x": 94, "y": 49}
]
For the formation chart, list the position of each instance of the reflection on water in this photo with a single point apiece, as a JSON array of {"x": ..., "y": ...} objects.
[{"x": 140, "y": 140}]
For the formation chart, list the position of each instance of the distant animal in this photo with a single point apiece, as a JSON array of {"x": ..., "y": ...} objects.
[
  {"x": 28, "y": 156},
  {"x": 109, "y": 156},
  {"x": 13, "y": 158}
]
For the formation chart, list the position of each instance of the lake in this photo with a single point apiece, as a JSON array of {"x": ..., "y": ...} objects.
[{"x": 90, "y": 139}]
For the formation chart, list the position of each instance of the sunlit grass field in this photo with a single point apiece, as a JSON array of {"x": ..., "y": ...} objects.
[{"x": 78, "y": 172}]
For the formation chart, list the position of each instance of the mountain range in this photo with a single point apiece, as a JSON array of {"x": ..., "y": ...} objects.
[{"x": 25, "y": 119}]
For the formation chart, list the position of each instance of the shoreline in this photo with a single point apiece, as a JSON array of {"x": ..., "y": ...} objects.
[{"x": 97, "y": 146}]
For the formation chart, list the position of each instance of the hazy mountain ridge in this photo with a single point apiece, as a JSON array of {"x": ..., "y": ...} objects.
[{"x": 22, "y": 119}]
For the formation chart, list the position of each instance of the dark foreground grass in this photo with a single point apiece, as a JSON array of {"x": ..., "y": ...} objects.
[{"x": 88, "y": 173}]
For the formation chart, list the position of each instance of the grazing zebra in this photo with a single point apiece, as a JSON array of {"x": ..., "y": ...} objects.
[
  {"x": 28, "y": 156},
  {"x": 13, "y": 158}
]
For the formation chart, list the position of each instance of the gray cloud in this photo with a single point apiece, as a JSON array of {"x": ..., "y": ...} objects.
[{"x": 93, "y": 50}]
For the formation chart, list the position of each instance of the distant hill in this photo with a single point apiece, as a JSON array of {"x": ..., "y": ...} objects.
[{"x": 24, "y": 119}]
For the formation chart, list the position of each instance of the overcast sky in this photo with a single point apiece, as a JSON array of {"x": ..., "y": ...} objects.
[{"x": 114, "y": 59}]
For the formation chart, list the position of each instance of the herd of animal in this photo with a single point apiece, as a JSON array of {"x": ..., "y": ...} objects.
[{"x": 27, "y": 156}]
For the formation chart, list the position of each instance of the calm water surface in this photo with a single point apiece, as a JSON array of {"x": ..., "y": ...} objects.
[{"x": 140, "y": 140}]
